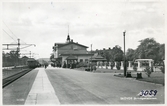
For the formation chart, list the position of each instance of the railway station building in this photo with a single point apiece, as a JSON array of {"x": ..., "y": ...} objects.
[{"x": 70, "y": 52}]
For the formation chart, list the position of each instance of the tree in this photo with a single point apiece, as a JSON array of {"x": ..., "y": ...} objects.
[
  {"x": 148, "y": 49},
  {"x": 14, "y": 55},
  {"x": 11, "y": 58},
  {"x": 104, "y": 53},
  {"x": 130, "y": 55},
  {"x": 148, "y": 71},
  {"x": 117, "y": 53},
  {"x": 114, "y": 54},
  {"x": 161, "y": 54}
]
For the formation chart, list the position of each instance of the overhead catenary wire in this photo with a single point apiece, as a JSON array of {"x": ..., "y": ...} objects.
[
  {"x": 12, "y": 32},
  {"x": 16, "y": 42},
  {"x": 25, "y": 46},
  {"x": 10, "y": 36}
]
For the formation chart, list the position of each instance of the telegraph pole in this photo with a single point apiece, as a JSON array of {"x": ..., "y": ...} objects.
[
  {"x": 16, "y": 48},
  {"x": 91, "y": 59},
  {"x": 91, "y": 52},
  {"x": 30, "y": 54},
  {"x": 124, "y": 55}
]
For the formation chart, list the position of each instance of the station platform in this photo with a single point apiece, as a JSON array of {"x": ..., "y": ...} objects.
[{"x": 42, "y": 91}]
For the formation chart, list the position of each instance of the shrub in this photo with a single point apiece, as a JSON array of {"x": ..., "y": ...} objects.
[
  {"x": 81, "y": 64},
  {"x": 135, "y": 68},
  {"x": 118, "y": 66},
  {"x": 107, "y": 65},
  {"x": 88, "y": 69},
  {"x": 102, "y": 63},
  {"x": 162, "y": 69},
  {"x": 148, "y": 71},
  {"x": 112, "y": 65},
  {"x": 98, "y": 64},
  {"x": 94, "y": 67},
  {"x": 64, "y": 65}
]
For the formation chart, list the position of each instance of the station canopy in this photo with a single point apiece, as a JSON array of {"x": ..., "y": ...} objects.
[
  {"x": 31, "y": 59},
  {"x": 96, "y": 58},
  {"x": 71, "y": 57},
  {"x": 144, "y": 60}
]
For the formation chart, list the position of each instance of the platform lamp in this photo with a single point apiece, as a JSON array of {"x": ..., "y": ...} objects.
[{"x": 124, "y": 55}]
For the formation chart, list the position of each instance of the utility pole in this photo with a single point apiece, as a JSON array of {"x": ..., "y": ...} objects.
[
  {"x": 17, "y": 49},
  {"x": 31, "y": 55},
  {"x": 91, "y": 52},
  {"x": 91, "y": 58},
  {"x": 124, "y": 55}
]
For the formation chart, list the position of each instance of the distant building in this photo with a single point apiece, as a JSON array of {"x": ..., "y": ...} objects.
[
  {"x": 43, "y": 61},
  {"x": 70, "y": 52}
]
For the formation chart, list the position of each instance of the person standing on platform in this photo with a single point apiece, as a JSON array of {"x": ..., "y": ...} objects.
[{"x": 45, "y": 66}]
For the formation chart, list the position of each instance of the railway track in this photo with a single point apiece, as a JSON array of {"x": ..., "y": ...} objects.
[{"x": 10, "y": 79}]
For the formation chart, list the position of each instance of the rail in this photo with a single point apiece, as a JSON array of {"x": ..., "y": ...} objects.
[{"x": 10, "y": 79}]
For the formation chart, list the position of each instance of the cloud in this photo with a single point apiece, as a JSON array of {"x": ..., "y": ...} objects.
[{"x": 98, "y": 23}]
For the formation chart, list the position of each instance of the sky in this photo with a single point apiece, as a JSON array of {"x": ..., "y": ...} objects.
[{"x": 100, "y": 23}]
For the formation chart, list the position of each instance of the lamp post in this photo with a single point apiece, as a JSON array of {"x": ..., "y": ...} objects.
[
  {"x": 124, "y": 55},
  {"x": 91, "y": 59}
]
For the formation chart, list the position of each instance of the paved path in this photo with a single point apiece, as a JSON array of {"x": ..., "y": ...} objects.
[
  {"x": 80, "y": 87},
  {"x": 16, "y": 93},
  {"x": 42, "y": 91},
  {"x": 68, "y": 86}
]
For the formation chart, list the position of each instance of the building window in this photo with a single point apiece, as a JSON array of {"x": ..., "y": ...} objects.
[
  {"x": 86, "y": 60},
  {"x": 81, "y": 60}
]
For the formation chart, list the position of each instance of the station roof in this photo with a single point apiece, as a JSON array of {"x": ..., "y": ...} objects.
[
  {"x": 144, "y": 60},
  {"x": 76, "y": 54},
  {"x": 99, "y": 59},
  {"x": 59, "y": 44},
  {"x": 31, "y": 59},
  {"x": 64, "y": 44},
  {"x": 71, "y": 58}
]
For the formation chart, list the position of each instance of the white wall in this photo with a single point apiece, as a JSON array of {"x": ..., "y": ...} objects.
[
  {"x": 83, "y": 57},
  {"x": 79, "y": 57}
]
